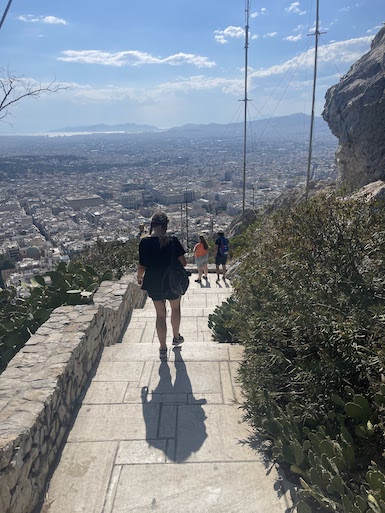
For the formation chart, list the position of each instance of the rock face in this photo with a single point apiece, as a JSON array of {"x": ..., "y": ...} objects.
[{"x": 355, "y": 112}]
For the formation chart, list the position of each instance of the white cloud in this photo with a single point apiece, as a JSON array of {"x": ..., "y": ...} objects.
[
  {"x": 295, "y": 8},
  {"x": 344, "y": 52},
  {"x": 348, "y": 8},
  {"x": 133, "y": 58},
  {"x": 221, "y": 36},
  {"x": 87, "y": 93},
  {"x": 322, "y": 82},
  {"x": 374, "y": 29},
  {"x": 293, "y": 38},
  {"x": 262, "y": 12},
  {"x": 200, "y": 83},
  {"x": 50, "y": 20},
  {"x": 109, "y": 93},
  {"x": 270, "y": 34},
  {"x": 298, "y": 28}
]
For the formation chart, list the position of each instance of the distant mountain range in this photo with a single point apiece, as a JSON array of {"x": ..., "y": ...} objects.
[{"x": 286, "y": 127}]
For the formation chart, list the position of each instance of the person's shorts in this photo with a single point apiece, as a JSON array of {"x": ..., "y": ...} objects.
[
  {"x": 201, "y": 261},
  {"x": 162, "y": 296},
  {"x": 220, "y": 260}
]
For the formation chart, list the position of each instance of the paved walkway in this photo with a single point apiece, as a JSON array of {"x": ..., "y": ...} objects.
[{"x": 165, "y": 436}]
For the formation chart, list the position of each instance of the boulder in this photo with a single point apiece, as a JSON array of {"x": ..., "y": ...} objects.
[{"x": 355, "y": 113}]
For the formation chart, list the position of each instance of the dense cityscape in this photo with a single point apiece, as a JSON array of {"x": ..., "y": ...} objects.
[{"x": 60, "y": 194}]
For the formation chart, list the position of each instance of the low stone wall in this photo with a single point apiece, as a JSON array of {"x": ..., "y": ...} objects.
[{"x": 40, "y": 388}]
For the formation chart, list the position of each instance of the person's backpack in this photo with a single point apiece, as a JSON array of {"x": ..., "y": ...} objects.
[
  {"x": 224, "y": 246},
  {"x": 175, "y": 278}
]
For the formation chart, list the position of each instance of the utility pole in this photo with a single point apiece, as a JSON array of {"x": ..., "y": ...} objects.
[
  {"x": 181, "y": 221},
  {"x": 186, "y": 221},
  {"x": 5, "y": 13},
  {"x": 316, "y": 34},
  {"x": 245, "y": 100}
]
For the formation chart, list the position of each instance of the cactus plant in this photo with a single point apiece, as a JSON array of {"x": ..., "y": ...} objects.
[{"x": 69, "y": 284}]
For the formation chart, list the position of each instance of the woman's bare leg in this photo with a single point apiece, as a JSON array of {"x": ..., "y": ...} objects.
[
  {"x": 161, "y": 326},
  {"x": 206, "y": 270},
  {"x": 175, "y": 316}
]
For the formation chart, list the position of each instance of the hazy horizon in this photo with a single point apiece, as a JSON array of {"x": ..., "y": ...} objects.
[{"x": 159, "y": 64}]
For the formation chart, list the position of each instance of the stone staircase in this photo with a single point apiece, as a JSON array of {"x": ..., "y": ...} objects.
[{"x": 165, "y": 436}]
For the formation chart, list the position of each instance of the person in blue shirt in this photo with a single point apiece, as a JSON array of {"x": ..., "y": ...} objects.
[{"x": 220, "y": 253}]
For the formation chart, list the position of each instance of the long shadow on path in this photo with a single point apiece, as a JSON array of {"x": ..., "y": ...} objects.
[{"x": 181, "y": 429}]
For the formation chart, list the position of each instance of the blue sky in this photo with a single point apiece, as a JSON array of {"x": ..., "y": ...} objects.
[{"x": 168, "y": 63}]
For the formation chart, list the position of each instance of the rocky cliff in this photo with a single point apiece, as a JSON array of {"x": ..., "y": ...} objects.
[{"x": 355, "y": 112}]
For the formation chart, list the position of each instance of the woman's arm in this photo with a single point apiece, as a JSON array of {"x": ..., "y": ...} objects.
[
  {"x": 141, "y": 271},
  {"x": 182, "y": 260},
  {"x": 179, "y": 251}
]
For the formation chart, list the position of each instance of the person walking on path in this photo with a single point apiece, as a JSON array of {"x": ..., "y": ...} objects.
[
  {"x": 201, "y": 254},
  {"x": 155, "y": 253},
  {"x": 221, "y": 253},
  {"x": 143, "y": 232}
]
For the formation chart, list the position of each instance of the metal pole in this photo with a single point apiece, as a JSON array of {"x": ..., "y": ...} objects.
[
  {"x": 313, "y": 103},
  {"x": 245, "y": 110},
  {"x": 5, "y": 13},
  {"x": 181, "y": 221},
  {"x": 186, "y": 222}
]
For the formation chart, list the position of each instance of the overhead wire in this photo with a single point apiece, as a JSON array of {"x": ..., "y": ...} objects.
[
  {"x": 283, "y": 93},
  {"x": 292, "y": 70},
  {"x": 306, "y": 47},
  {"x": 331, "y": 57},
  {"x": 305, "y": 54}
]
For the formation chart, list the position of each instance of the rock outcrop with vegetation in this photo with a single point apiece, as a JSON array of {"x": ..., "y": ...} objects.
[{"x": 355, "y": 112}]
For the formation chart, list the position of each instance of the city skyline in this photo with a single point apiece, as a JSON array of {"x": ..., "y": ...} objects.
[{"x": 167, "y": 64}]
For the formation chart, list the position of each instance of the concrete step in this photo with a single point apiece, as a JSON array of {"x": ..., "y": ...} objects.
[{"x": 166, "y": 435}]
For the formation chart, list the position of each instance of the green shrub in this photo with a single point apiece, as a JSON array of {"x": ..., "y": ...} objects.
[
  {"x": 220, "y": 321},
  {"x": 310, "y": 300},
  {"x": 5, "y": 263},
  {"x": 69, "y": 284},
  {"x": 119, "y": 257},
  {"x": 310, "y": 311}
]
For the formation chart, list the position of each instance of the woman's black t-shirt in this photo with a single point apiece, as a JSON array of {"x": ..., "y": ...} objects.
[{"x": 156, "y": 259}]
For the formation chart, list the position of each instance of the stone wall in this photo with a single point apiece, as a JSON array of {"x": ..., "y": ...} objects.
[{"x": 40, "y": 388}]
